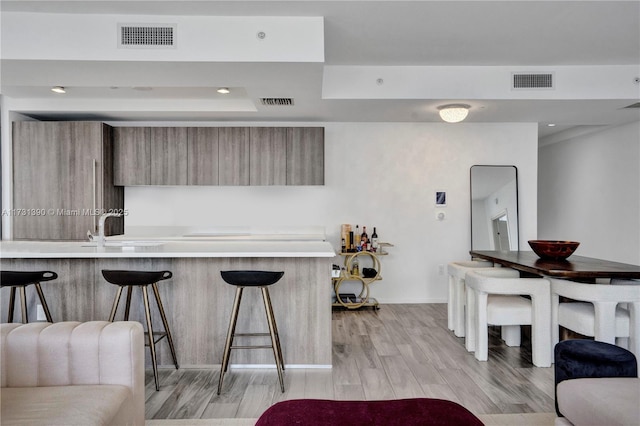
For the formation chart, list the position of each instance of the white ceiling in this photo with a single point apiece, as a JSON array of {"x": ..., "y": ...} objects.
[{"x": 402, "y": 34}]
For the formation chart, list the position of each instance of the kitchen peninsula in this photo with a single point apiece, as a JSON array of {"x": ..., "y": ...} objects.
[{"x": 198, "y": 303}]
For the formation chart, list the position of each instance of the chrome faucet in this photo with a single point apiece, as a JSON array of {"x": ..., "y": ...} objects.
[{"x": 100, "y": 237}]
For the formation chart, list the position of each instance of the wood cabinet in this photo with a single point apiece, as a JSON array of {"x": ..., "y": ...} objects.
[
  {"x": 63, "y": 180},
  {"x": 233, "y": 155},
  {"x": 202, "y": 156},
  {"x": 267, "y": 157},
  {"x": 168, "y": 153},
  {"x": 305, "y": 156},
  {"x": 131, "y": 156}
]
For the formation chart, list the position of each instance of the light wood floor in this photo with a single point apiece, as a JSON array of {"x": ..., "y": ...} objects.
[{"x": 400, "y": 351}]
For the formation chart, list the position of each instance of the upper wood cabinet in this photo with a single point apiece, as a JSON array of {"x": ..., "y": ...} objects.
[
  {"x": 219, "y": 156},
  {"x": 202, "y": 156},
  {"x": 267, "y": 157},
  {"x": 305, "y": 156},
  {"x": 131, "y": 156},
  {"x": 63, "y": 180},
  {"x": 168, "y": 155},
  {"x": 233, "y": 155}
]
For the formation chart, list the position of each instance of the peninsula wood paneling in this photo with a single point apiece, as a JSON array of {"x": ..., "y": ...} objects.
[{"x": 198, "y": 304}]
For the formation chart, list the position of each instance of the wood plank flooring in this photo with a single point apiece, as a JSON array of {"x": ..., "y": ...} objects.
[{"x": 400, "y": 351}]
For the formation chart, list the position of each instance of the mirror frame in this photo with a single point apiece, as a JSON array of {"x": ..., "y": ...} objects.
[{"x": 517, "y": 218}]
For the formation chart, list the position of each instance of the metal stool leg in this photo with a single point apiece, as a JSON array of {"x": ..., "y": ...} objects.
[
  {"x": 152, "y": 345},
  {"x": 45, "y": 307},
  {"x": 127, "y": 306},
  {"x": 23, "y": 304},
  {"x": 232, "y": 329},
  {"x": 12, "y": 302},
  {"x": 272, "y": 331},
  {"x": 114, "y": 308},
  {"x": 165, "y": 323},
  {"x": 275, "y": 327}
]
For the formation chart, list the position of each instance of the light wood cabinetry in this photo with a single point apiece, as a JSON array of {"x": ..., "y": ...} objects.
[
  {"x": 268, "y": 156},
  {"x": 168, "y": 152},
  {"x": 305, "y": 156},
  {"x": 233, "y": 156},
  {"x": 63, "y": 180},
  {"x": 202, "y": 156},
  {"x": 131, "y": 156}
]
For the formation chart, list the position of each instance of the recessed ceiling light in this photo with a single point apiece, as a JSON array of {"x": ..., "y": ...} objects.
[
  {"x": 551, "y": 125},
  {"x": 58, "y": 89},
  {"x": 453, "y": 113},
  {"x": 223, "y": 90}
]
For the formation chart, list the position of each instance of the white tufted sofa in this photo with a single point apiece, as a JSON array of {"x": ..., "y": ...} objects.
[{"x": 72, "y": 373}]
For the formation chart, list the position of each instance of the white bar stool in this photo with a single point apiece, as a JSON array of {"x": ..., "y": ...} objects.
[
  {"x": 456, "y": 300},
  {"x": 496, "y": 300},
  {"x": 597, "y": 311}
]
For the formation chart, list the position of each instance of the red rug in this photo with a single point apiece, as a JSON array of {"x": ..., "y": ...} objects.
[{"x": 405, "y": 412}]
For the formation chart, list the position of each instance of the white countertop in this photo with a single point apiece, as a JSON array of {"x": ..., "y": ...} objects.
[{"x": 166, "y": 249}]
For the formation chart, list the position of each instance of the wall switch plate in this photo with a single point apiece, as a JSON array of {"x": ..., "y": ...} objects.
[
  {"x": 40, "y": 316},
  {"x": 440, "y": 269}
]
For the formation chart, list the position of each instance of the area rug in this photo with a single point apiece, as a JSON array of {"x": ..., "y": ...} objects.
[
  {"x": 521, "y": 419},
  {"x": 409, "y": 411}
]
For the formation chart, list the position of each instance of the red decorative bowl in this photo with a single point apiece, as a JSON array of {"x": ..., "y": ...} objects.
[{"x": 553, "y": 250}]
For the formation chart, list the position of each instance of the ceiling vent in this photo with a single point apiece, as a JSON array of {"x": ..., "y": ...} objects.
[
  {"x": 147, "y": 35},
  {"x": 632, "y": 106},
  {"x": 276, "y": 101},
  {"x": 532, "y": 81}
]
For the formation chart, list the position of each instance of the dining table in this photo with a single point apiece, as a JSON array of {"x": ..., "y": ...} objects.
[{"x": 575, "y": 268}]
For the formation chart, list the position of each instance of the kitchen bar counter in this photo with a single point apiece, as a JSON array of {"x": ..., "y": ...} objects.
[
  {"x": 159, "y": 248},
  {"x": 198, "y": 302}
]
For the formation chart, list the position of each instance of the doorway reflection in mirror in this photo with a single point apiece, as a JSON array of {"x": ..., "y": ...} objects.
[{"x": 494, "y": 208}]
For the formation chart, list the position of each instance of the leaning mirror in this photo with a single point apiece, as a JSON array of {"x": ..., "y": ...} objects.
[{"x": 494, "y": 208}]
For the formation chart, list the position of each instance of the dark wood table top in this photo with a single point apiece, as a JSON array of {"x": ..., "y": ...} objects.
[{"x": 575, "y": 267}]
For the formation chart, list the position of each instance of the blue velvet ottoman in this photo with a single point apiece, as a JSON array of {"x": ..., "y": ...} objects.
[{"x": 576, "y": 359}]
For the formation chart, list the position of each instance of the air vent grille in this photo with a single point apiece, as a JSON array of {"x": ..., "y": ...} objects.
[
  {"x": 276, "y": 101},
  {"x": 532, "y": 81},
  {"x": 146, "y": 35}
]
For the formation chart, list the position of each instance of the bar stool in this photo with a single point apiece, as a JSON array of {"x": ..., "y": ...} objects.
[
  {"x": 143, "y": 279},
  {"x": 261, "y": 280},
  {"x": 15, "y": 279}
]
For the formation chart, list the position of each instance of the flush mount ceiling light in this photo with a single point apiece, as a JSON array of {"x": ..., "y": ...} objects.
[
  {"x": 58, "y": 89},
  {"x": 224, "y": 90},
  {"x": 453, "y": 113}
]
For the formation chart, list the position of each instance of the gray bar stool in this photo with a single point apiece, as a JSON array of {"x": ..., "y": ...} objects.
[
  {"x": 261, "y": 280},
  {"x": 143, "y": 279},
  {"x": 21, "y": 279}
]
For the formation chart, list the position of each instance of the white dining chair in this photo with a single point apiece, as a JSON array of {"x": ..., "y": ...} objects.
[
  {"x": 606, "y": 312},
  {"x": 456, "y": 301},
  {"x": 494, "y": 298}
]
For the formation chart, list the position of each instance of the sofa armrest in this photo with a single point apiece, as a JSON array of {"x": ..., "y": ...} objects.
[{"x": 74, "y": 353}]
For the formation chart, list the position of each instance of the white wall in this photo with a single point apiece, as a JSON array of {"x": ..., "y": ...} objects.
[
  {"x": 589, "y": 191},
  {"x": 376, "y": 174}
]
